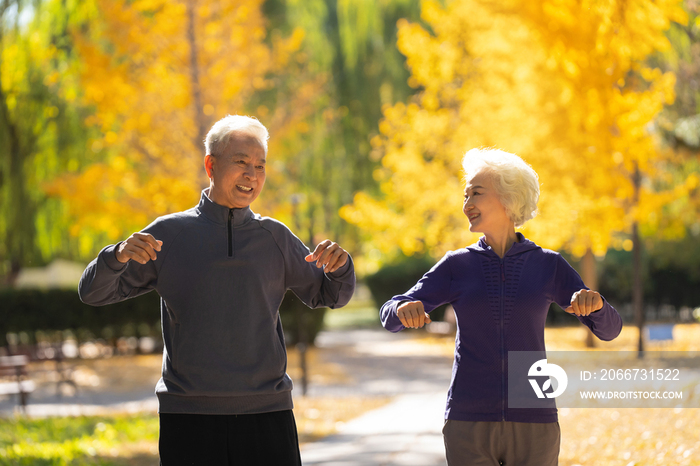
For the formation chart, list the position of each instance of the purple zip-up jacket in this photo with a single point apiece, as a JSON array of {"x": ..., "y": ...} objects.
[{"x": 500, "y": 306}]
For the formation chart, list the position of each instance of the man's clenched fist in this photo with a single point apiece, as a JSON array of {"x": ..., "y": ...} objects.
[{"x": 140, "y": 247}]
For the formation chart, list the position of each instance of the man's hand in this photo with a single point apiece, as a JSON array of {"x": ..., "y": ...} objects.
[
  {"x": 140, "y": 247},
  {"x": 584, "y": 302},
  {"x": 328, "y": 255},
  {"x": 412, "y": 314}
]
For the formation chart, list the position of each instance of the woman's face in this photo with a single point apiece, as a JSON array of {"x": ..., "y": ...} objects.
[{"x": 482, "y": 205}]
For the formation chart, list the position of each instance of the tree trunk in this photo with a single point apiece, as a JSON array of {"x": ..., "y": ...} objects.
[
  {"x": 19, "y": 239},
  {"x": 637, "y": 285},
  {"x": 200, "y": 119},
  {"x": 590, "y": 278}
]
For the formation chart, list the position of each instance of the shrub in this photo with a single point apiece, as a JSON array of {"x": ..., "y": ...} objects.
[
  {"x": 58, "y": 310},
  {"x": 398, "y": 277}
]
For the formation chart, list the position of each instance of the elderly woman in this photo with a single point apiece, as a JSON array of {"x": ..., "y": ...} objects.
[{"x": 501, "y": 288}]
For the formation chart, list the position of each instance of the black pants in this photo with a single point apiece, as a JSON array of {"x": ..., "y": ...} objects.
[{"x": 227, "y": 440}]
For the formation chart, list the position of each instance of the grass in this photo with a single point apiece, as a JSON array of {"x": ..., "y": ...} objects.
[
  {"x": 105, "y": 440},
  {"x": 630, "y": 437}
]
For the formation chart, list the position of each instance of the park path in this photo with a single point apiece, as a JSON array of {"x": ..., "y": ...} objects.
[{"x": 405, "y": 432}]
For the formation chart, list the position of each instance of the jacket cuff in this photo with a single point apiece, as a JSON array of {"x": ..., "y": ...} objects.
[
  {"x": 605, "y": 304},
  {"x": 109, "y": 257},
  {"x": 344, "y": 271},
  {"x": 605, "y": 323},
  {"x": 389, "y": 319}
]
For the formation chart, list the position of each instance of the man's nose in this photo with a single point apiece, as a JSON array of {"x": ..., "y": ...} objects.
[{"x": 250, "y": 173}]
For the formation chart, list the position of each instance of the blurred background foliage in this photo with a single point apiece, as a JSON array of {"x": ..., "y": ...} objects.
[
  {"x": 370, "y": 105},
  {"x": 105, "y": 105}
]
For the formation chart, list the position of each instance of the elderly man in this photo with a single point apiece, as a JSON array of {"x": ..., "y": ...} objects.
[{"x": 221, "y": 272}]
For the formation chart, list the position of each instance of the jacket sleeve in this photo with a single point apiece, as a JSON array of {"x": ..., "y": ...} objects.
[
  {"x": 107, "y": 281},
  {"x": 311, "y": 284},
  {"x": 605, "y": 323},
  {"x": 433, "y": 290}
]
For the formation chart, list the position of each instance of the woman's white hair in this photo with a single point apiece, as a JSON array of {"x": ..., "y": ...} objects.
[
  {"x": 220, "y": 134},
  {"x": 515, "y": 181}
]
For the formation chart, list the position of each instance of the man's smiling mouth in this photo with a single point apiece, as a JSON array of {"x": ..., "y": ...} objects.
[{"x": 244, "y": 188}]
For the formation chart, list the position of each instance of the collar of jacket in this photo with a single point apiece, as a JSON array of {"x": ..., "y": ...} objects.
[
  {"x": 219, "y": 214},
  {"x": 521, "y": 246}
]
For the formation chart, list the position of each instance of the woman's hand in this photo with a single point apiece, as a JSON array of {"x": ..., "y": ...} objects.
[
  {"x": 585, "y": 302},
  {"x": 412, "y": 314}
]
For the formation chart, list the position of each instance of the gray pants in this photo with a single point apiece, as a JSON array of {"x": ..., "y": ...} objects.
[{"x": 501, "y": 443}]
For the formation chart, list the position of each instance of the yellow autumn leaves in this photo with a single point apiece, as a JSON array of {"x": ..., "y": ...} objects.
[
  {"x": 563, "y": 83},
  {"x": 158, "y": 74},
  {"x": 566, "y": 84}
]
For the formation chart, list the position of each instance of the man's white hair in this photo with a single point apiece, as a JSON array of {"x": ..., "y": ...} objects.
[
  {"x": 515, "y": 181},
  {"x": 220, "y": 134}
]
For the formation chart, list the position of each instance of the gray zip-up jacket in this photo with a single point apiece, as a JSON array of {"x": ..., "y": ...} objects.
[{"x": 221, "y": 274}]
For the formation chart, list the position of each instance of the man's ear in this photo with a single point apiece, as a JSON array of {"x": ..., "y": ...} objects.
[{"x": 209, "y": 165}]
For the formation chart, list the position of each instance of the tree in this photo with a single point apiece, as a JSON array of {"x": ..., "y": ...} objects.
[
  {"x": 40, "y": 130},
  {"x": 350, "y": 47},
  {"x": 158, "y": 74},
  {"x": 563, "y": 84},
  {"x": 680, "y": 125},
  {"x": 616, "y": 97}
]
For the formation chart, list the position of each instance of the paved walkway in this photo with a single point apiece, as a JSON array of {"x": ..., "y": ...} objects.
[{"x": 405, "y": 432}]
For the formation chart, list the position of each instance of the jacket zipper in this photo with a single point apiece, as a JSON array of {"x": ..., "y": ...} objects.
[
  {"x": 503, "y": 349},
  {"x": 230, "y": 233}
]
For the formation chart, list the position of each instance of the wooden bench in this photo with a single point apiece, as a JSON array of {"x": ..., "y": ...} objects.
[{"x": 15, "y": 381}]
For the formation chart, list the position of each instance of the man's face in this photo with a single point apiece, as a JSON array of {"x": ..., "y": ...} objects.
[{"x": 238, "y": 174}]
